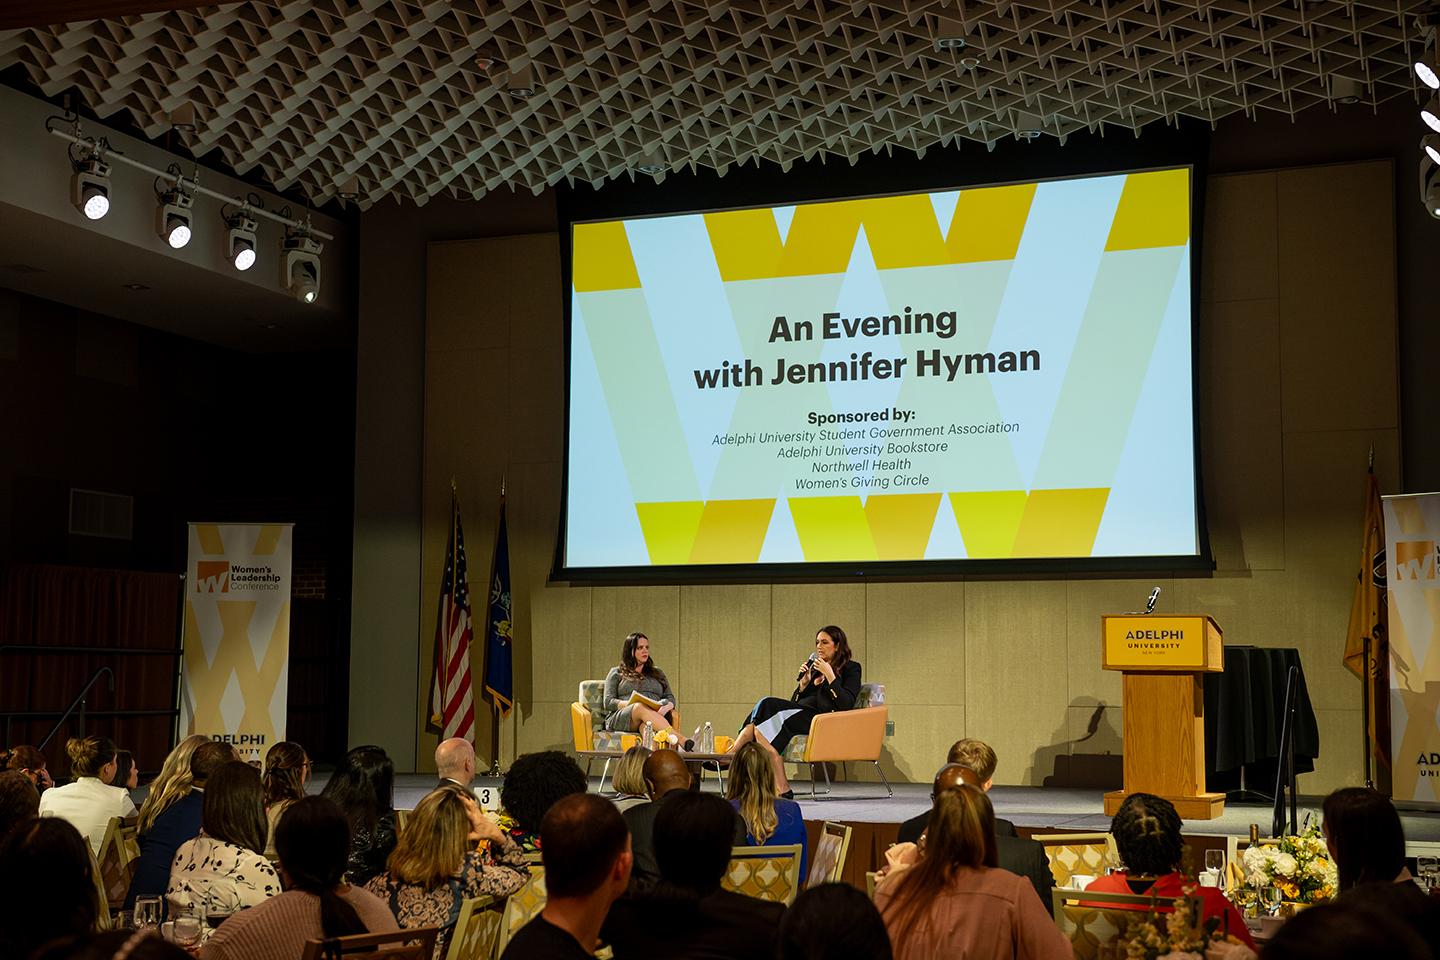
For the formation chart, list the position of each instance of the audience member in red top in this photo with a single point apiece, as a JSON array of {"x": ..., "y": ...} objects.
[
  {"x": 1147, "y": 833},
  {"x": 586, "y": 849}
]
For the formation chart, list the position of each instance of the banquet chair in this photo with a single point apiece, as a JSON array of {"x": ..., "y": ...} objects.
[
  {"x": 870, "y": 877},
  {"x": 103, "y": 916},
  {"x": 114, "y": 864},
  {"x": 1091, "y": 928},
  {"x": 1076, "y": 854},
  {"x": 419, "y": 944},
  {"x": 765, "y": 873},
  {"x": 855, "y": 734},
  {"x": 402, "y": 817},
  {"x": 830, "y": 849},
  {"x": 521, "y": 907},
  {"x": 476, "y": 929}
]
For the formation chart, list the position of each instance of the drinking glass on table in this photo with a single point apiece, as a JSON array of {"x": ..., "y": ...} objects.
[
  {"x": 1428, "y": 869},
  {"x": 147, "y": 913},
  {"x": 1215, "y": 866},
  {"x": 1271, "y": 897},
  {"x": 189, "y": 923}
]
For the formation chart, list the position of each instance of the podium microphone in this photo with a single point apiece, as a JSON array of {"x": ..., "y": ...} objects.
[
  {"x": 806, "y": 669},
  {"x": 1154, "y": 595}
]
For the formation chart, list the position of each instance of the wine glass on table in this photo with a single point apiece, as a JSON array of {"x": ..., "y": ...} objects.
[
  {"x": 1429, "y": 870},
  {"x": 147, "y": 913},
  {"x": 1215, "y": 866},
  {"x": 1271, "y": 897},
  {"x": 189, "y": 924}
]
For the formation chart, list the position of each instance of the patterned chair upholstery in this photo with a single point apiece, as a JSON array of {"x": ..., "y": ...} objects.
[
  {"x": 871, "y": 695},
  {"x": 587, "y": 717},
  {"x": 765, "y": 873},
  {"x": 476, "y": 930},
  {"x": 828, "y": 864},
  {"x": 1072, "y": 854},
  {"x": 115, "y": 864},
  {"x": 522, "y": 906},
  {"x": 1090, "y": 926}
]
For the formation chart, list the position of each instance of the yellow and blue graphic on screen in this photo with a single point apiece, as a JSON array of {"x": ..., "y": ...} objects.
[{"x": 1083, "y": 276}]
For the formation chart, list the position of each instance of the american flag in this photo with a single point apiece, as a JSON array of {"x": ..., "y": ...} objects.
[{"x": 452, "y": 710}]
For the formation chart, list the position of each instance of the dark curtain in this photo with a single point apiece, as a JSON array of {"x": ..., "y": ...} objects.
[{"x": 52, "y": 606}]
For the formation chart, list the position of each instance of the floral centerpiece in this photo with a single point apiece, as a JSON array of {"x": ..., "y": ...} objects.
[
  {"x": 1300, "y": 866},
  {"x": 1181, "y": 935}
]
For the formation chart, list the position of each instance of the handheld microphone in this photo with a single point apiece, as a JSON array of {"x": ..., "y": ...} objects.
[{"x": 805, "y": 669}]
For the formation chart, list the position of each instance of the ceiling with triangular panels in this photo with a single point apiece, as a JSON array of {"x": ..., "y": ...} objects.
[{"x": 312, "y": 92}]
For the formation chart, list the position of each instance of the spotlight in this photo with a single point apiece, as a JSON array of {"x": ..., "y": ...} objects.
[
  {"x": 240, "y": 245},
  {"x": 1028, "y": 126},
  {"x": 949, "y": 34},
  {"x": 90, "y": 188},
  {"x": 349, "y": 189},
  {"x": 1431, "y": 143},
  {"x": 172, "y": 219},
  {"x": 1431, "y": 114},
  {"x": 1426, "y": 70},
  {"x": 300, "y": 267},
  {"x": 1430, "y": 187},
  {"x": 183, "y": 118},
  {"x": 1345, "y": 90},
  {"x": 653, "y": 163},
  {"x": 520, "y": 85}
]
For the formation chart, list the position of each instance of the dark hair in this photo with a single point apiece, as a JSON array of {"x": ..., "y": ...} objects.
[
  {"x": 45, "y": 886},
  {"x": 842, "y": 645},
  {"x": 833, "y": 921},
  {"x": 124, "y": 762},
  {"x": 88, "y": 756},
  {"x": 693, "y": 836},
  {"x": 364, "y": 789},
  {"x": 19, "y": 801},
  {"x": 105, "y": 946},
  {"x": 1345, "y": 930},
  {"x": 22, "y": 757},
  {"x": 285, "y": 772},
  {"x": 1147, "y": 834},
  {"x": 208, "y": 757},
  {"x": 960, "y": 833},
  {"x": 580, "y": 837},
  {"x": 366, "y": 748},
  {"x": 233, "y": 810},
  {"x": 1366, "y": 834},
  {"x": 535, "y": 781},
  {"x": 630, "y": 666},
  {"x": 313, "y": 843}
]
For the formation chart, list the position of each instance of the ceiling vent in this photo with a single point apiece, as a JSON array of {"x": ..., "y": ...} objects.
[{"x": 96, "y": 514}]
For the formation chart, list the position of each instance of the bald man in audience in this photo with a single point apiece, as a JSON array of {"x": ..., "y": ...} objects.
[
  {"x": 1025, "y": 858},
  {"x": 455, "y": 762},
  {"x": 586, "y": 850},
  {"x": 665, "y": 774}
]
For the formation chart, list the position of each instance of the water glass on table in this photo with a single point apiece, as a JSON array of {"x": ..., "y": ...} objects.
[
  {"x": 189, "y": 924},
  {"x": 147, "y": 913},
  {"x": 1428, "y": 870},
  {"x": 1271, "y": 898}
]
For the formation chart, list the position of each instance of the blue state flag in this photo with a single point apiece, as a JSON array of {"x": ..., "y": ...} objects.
[{"x": 497, "y": 633}]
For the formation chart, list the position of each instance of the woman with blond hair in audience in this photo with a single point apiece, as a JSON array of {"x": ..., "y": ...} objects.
[
  {"x": 89, "y": 801},
  {"x": 770, "y": 820},
  {"x": 955, "y": 901},
  {"x": 629, "y": 779},
  {"x": 287, "y": 771},
  {"x": 224, "y": 869},
  {"x": 173, "y": 782},
  {"x": 436, "y": 866},
  {"x": 28, "y": 761}
]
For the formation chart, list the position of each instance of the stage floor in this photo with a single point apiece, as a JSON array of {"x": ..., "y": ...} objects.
[{"x": 1042, "y": 807}]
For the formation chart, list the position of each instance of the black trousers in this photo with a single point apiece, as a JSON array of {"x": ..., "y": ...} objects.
[{"x": 797, "y": 724}]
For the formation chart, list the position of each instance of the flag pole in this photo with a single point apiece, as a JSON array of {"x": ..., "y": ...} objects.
[
  {"x": 1368, "y": 764},
  {"x": 495, "y": 703}
]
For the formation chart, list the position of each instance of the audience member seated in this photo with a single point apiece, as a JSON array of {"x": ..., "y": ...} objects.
[
  {"x": 29, "y": 761},
  {"x": 1147, "y": 835},
  {"x": 455, "y": 762},
  {"x": 769, "y": 820},
  {"x": 173, "y": 783},
  {"x": 833, "y": 921},
  {"x": 314, "y": 843},
  {"x": 127, "y": 773},
  {"x": 979, "y": 757},
  {"x": 956, "y": 901},
  {"x": 224, "y": 868},
  {"x": 287, "y": 771},
  {"x": 1367, "y": 843},
  {"x": 586, "y": 851},
  {"x": 629, "y": 779},
  {"x": 1345, "y": 930},
  {"x": 19, "y": 801},
  {"x": 45, "y": 886},
  {"x": 115, "y": 945},
  {"x": 89, "y": 801},
  {"x": 180, "y": 822},
  {"x": 364, "y": 788},
  {"x": 1022, "y": 857},
  {"x": 666, "y": 778},
  {"x": 436, "y": 866},
  {"x": 687, "y": 915},
  {"x": 533, "y": 784}
]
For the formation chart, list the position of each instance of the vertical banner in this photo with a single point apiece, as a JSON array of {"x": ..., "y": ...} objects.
[
  {"x": 237, "y": 634},
  {"x": 1412, "y": 526}
]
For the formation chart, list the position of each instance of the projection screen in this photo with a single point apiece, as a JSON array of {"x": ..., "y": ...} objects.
[{"x": 992, "y": 373}]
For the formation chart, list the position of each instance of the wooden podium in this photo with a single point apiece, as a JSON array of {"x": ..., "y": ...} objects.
[{"x": 1162, "y": 658}]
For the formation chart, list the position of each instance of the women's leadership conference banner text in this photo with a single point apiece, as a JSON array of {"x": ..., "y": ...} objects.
[{"x": 1412, "y": 527}]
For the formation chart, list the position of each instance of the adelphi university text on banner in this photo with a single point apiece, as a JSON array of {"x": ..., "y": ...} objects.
[
  {"x": 237, "y": 634},
  {"x": 1412, "y": 529}
]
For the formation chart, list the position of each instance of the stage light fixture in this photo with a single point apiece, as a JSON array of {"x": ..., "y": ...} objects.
[
  {"x": 240, "y": 244},
  {"x": 1346, "y": 90},
  {"x": 520, "y": 85},
  {"x": 349, "y": 189},
  {"x": 1431, "y": 143},
  {"x": 90, "y": 188},
  {"x": 172, "y": 218},
  {"x": 300, "y": 266},
  {"x": 1431, "y": 114},
  {"x": 949, "y": 33},
  {"x": 1426, "y": 69},
  {"x": 1028, "y": 126},
  {"x": 653, "y": 163},
  {"x": 1430, "y": 186}
]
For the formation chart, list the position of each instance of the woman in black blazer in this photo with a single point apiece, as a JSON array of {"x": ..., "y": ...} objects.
[{"x": 829, "y": 681}]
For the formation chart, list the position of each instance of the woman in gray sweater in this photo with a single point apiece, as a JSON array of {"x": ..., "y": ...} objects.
[{"x": 637, "y": 672}]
